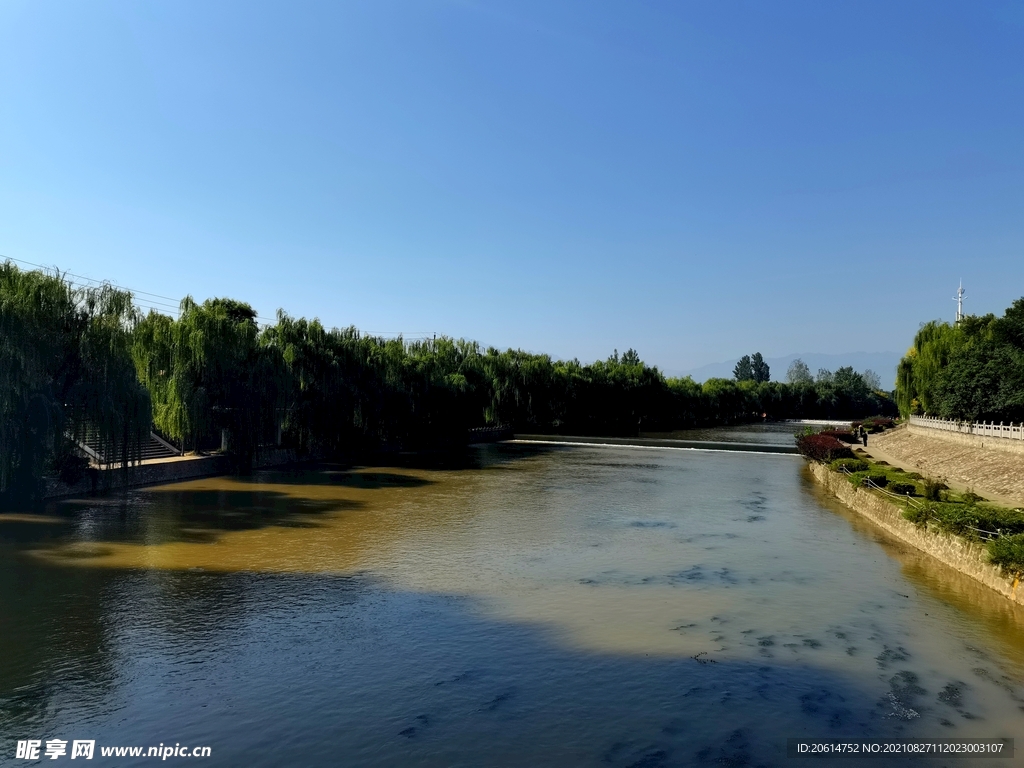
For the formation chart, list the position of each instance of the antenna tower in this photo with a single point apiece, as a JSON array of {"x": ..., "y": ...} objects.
[{"x": 959, "y": 299}]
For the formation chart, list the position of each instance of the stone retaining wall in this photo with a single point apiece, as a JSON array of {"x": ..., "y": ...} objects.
[
  {"x": 158, "y": 473},
  {"x": 969, "y": 558},
  {"x": 975, "y": 441}
]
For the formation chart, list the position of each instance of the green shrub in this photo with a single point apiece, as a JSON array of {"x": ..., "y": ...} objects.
[
  {"x": 919, "y": 515},
  {"x": 972, "y": 498},
  {"x": 974, "y": 521},
  {"x": 1008, "y": 553},
  {"x": 875, "y": 481},
  {"x": 933, "y": 489},
  {"x": 915, "y": 476},
  {"x": 958, "y": 519},
  {"x": 903, "y": 489},
  {"x": 850, "y": 465}
]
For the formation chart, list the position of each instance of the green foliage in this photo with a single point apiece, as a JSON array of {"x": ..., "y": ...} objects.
[
  {"x": 919, "y": 515},
  {"x": 752, "y": 368},
  {"x": 971, "y": 521},
  {"x": 875, "y": 481},
  {"x": 849, "y": 465},
  {"x": 743, "y": 371},
  {"x": 933, "y": 489},
  {"x": 1008, "y": 553},
  {"x": 903, "y": 489},
  {"x": 759, "y": 368},
  {"x": 85, "y": 362},
  {"x": 66, "y": 373},
  {"x": 972, "y": 371},
  {"x": 209, "y": 370}
]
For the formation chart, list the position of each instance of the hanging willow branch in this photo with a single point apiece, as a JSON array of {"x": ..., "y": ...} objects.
[{"x": 66, "y": 375}]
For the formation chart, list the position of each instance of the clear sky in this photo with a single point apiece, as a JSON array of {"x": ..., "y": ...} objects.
[{"x": 695, "y": 180}]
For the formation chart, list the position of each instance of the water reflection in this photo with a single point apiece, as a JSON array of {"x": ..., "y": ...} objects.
[{"x": 556, "y": 607}]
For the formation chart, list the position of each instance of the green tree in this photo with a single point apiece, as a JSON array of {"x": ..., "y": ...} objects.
[
  {"x": 744, "y": 370},
  {"x": 210, "y": 371},
  {"x": 66, "y": 375},
  {"x": 759, "y": 369}
]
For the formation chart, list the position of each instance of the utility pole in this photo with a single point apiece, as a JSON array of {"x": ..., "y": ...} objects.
[{"x": 959, "y": 299}]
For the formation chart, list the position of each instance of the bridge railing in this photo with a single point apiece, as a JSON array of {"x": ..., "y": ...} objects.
[{"x": 1009, "y": 431}]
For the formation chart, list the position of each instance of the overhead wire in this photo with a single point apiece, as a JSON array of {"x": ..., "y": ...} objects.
[{"x": 159, "y": 303}]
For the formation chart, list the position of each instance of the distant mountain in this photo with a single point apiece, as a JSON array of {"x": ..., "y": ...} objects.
[{"x": 882, "y": 363}]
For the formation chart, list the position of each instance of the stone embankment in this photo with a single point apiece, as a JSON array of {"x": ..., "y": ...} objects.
[
  {"x": 159, "y": 472},
  {"x": 967, "y": 557},
  {"x": 962, "y": 460}
]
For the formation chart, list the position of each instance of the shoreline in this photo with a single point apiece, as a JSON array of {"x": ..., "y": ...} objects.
[{"x": 967, "y": 557}]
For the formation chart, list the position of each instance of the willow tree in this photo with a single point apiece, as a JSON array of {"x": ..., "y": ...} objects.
[
  {"x": 326, "y": 385},
  {"x": 917, "y": 375},
  {"x": 208, "y": 372},
  {"x": 67, "y": 375}
]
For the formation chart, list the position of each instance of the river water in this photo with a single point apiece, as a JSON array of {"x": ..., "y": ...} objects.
[{"x": 545, "y": 605}]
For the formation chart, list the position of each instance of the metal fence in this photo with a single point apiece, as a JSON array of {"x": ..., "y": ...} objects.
[{"x": 1009, "y": 431}]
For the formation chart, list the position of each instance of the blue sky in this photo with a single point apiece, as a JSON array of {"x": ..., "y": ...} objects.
[{"x": 696, "y": 181}]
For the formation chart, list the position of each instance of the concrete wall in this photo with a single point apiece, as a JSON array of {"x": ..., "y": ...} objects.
[
  {"x": 974, "y": 441},
  {"x": 967, "y": 557},
  {"x": 158, "y": 473}
]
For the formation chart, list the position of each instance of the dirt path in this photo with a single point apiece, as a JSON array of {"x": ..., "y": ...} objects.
[{"x": 995, "y": 475}]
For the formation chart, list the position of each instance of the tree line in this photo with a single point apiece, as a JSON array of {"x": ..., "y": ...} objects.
[
  {"x": 85, "y": 361},
  {"x": 971, "y": 370}
]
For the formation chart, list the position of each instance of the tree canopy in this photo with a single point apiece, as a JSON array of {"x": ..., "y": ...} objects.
[
  {"x": 971, "y": 371},
  {"x": 85, "y": 360},
  {"x": 67, "y": 374},
  {"x": 752, "y": 368}
]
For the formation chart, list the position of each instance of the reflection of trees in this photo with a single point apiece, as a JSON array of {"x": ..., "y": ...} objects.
[{"x": 53, "y": 635}]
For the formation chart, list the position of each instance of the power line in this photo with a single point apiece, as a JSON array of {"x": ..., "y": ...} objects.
[
  {"x": 91, "y": 279},
  {"x": 174, "y": 308}
]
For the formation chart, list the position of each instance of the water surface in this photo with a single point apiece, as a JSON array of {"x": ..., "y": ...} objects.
[{"x": 544, "y": 606}]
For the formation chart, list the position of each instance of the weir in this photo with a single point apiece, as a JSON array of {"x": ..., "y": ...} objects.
[{"x": 647, "y": 442}]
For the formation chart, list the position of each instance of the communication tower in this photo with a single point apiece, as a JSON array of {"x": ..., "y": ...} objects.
[{"x": 959, "y": 299}]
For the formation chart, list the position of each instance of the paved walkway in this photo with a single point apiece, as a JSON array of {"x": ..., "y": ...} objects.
[{"x": 996, "y": 475}]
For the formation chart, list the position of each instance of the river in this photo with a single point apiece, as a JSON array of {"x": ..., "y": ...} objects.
[{"x": 544, "y": 605}]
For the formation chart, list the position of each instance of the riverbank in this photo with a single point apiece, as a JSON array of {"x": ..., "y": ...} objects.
[
  {"x": 159, "y": 472},
  {"x": 968, "y": 557},
  {"x": 995, "y": 474}
]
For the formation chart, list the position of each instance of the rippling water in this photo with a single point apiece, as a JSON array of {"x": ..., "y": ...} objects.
[{"x": 556, "y": 606}]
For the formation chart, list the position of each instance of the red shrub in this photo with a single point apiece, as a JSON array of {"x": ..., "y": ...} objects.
[{"x": 824, "y": 448}]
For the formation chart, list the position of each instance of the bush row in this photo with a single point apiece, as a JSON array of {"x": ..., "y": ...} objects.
[
  {"x": 849, "y": 465},
  {"x": 968, "y": 519},
  {"x": 1008, "y": 553},
  {"x": 960, "y": 514}
]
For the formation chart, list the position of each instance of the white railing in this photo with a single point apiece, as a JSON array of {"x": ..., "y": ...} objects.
[{"x": 1009, "y": 431}]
